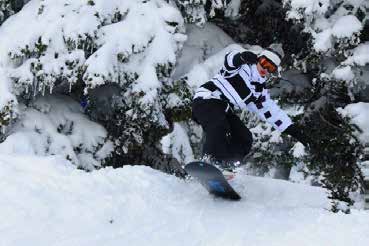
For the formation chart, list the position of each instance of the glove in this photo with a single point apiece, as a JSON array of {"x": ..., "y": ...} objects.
[
  {"x": 246, "y": 57},
  {"x": 297, "y": 133},
  {"x": 249, "y": 57}
]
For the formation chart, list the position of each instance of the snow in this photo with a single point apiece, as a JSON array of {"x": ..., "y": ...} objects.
[
  {"x": 5, "y": 92},
  {"x": 323, "y": 40},
  {"x": 327, "y": 24},
  {"x": 360, "y": 55},
  {"x": 101, "y": 47},
  {"x": 297, "y": 174},
  {"x": 205, "y": 71},
  {"x": 346, "y": 26},
  {"x": 308, "y": 7},
  {"x": 177, "y": 143},
  {"x": 233, "y": 9},
  {"x": 359, "y": 114},
  {"x": 56, "y": 125},
  {"x": 343, "y": 73},
  {"x": 365, "y": 169},
  {"x": 298, "y": 150},
  {"x": 336, "y": 29},
  {"x": 47, "y": 201},
  {"x": 202, "y": 42},
  {"x": 343, "y": 27}
]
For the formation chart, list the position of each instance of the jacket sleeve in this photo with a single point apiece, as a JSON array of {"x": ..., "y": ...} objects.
[
  {"x": 268, "y": 110},
  {"x": 234, "y": 60}
]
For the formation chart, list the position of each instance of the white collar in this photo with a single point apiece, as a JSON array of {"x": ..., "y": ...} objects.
[{"x": 255, "y": 76}]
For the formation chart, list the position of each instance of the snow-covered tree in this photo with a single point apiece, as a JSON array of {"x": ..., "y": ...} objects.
[
  {"x": 119, "y": 59},
  {"x": 335, "y": 59},
  {"x": 199, "y": 11},
  {"x": 56, "y": 125},
  {"x": 8, "y": 103},
  {"x": 80, "y": 46},
  {"x": 10, "y": 7}
]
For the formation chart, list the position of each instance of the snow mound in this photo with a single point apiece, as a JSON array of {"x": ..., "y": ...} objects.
[{"x": 47, "y": 201}]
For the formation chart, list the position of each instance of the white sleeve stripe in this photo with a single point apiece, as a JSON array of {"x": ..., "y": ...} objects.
[
  {"x": 230, "y": 59},
  {"x": 228, "y": 91},
  {"x": 224, "y": 88},
  {"x": 278, "y": 118},
  {"x": 228, "y": 62}
]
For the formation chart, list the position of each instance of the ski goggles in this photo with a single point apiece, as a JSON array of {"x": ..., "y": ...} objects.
[{"x": 267, "y": 64}]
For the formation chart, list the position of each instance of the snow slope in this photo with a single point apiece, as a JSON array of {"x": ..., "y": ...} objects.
[{"x": 47, "y": 201}]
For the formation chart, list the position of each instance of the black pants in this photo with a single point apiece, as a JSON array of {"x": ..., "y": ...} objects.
[{"x": 227, "y": 138}]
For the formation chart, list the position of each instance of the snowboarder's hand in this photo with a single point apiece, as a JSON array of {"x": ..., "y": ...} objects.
[
  {"x": 248, "y": 57},
  {"x": 296, "y": 132}
]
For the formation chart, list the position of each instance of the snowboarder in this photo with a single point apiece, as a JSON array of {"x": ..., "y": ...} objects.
[{"x": 239, "y": 84}]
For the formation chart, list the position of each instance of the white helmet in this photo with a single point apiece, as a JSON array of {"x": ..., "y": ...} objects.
[{"x": 271, "y": 56}]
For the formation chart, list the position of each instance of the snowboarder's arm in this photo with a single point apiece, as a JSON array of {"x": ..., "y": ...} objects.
[
  {"x": 283, "y": 123},
  {"x": 234, "y": 60},
  {"x": 269, "y": 111}
]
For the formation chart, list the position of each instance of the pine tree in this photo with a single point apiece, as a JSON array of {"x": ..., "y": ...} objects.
[
  {"x": 336, "y": 153},
  {"x": 199, "y": 11},
  {"x": 81, "y": 48},
  {"x": 9, "y": 7}
]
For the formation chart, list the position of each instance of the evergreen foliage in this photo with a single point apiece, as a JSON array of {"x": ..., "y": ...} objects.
[
  {"x": 100, "y": 51},
  {"x": 6, "y": 115},
  {"x": 199, "y": 11},
  {"x": 8, "y": 8},
  {"x": 80, "y": 46},
  {"x": 270, "y": 150},
  {"x": 335, "y": 154}
]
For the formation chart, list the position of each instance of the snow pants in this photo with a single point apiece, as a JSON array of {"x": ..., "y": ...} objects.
[{"x": 226, "y": 137}]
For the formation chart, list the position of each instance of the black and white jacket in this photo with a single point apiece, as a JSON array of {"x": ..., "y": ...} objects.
[{"x": 242, "y": 87}]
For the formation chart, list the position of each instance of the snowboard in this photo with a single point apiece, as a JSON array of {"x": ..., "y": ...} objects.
[{"x": 212, "y": 179}]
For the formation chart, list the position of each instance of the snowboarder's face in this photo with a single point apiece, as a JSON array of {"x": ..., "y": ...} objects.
[
  {"x": 266, "y": 66},
  {"x": 262, "y": 71}
]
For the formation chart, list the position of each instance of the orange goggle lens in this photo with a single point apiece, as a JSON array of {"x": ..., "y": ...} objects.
[{"x": 268, "y": 65}]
